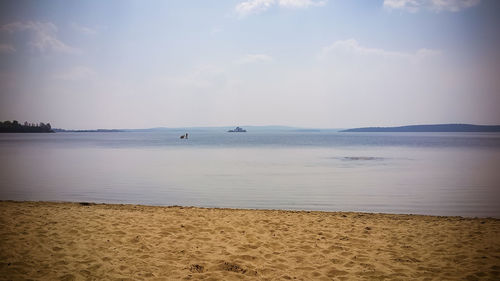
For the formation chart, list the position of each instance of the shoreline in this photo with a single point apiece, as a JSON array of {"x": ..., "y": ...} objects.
[
  {"x": 248, "y": 209},
  {"x": 84, "y": 240}
]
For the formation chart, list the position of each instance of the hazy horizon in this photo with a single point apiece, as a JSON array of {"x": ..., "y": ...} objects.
[
  {"x": 264, "y": 126},
  {"x": 301, "y": 63}
]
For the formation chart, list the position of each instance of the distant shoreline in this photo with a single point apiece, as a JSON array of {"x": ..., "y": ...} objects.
[
  {"x": 15, "y": 127},
  {"x": 429, "y": 128},
  {"x": 200, "y": 207},
  {"x": 89, "y": 131},
  {"x": 407, "y": 129}
]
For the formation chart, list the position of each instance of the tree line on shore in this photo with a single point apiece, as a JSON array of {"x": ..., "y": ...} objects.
[{"x": 16, "y": 127}]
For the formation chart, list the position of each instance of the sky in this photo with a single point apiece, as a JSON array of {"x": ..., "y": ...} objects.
[{"x": 305, "y": 63}]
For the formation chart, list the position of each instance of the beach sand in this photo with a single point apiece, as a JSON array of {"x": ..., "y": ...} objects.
[{"x": 71, "y": 241}]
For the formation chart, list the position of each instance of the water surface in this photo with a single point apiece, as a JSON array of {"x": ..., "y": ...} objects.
[{"x": 420, "y": 173}]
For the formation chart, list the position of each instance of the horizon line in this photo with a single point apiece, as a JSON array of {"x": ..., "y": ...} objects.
[{"x": 283, "y": 126}]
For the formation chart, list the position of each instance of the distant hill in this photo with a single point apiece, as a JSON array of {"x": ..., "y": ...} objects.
[
  {"x": 88, "y": 131},
  {"x": 430, "y": 128},
  {"x": 221, "y": 129}
]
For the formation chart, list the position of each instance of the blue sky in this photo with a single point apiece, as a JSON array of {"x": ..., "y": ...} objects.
[{"x": 336, "y": 63}]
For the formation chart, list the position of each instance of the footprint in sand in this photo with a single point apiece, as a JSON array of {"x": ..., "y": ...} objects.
[
  {"x": 67, "y": 277},
  {"x": 227, "y": 266},
  {"x": 56, "y": 249},
  {"x": 333, "y": 272},
  {"x": 196, "y": 268}
]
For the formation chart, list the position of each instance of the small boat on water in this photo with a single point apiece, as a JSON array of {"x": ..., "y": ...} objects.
[{"x": 237, "y": 130}]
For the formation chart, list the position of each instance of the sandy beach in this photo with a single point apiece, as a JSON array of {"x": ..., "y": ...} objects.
[{"x": 73, "y": 241}]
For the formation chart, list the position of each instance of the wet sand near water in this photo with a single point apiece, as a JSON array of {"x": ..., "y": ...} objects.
[{"x": 73, "y": 241}]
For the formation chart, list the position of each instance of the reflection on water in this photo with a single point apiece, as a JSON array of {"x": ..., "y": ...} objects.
[
  {"x": 440, "y": 174},
  {"x": 362, "y": 158}
]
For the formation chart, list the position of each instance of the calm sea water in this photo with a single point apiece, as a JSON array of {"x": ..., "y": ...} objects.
[{"x": 419, "y": 173}]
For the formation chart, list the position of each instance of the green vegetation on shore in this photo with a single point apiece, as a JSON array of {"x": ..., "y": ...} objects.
[{"x": 16, "y": 127}]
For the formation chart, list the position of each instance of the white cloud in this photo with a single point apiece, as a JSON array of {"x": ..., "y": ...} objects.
[
  {"x": 351, "y": 46},
  {"x": 253, "y": 58},
  {"x": 42, "y": 36},
  {"x": 257, "y": 6},
  {"x": 432, "y": 5},
  {"x": 77, "y": 73},
  {"x": 7, "y": 49},
  {"x": 253, "y": 6},
  {"x": 83, "y": 29},
  {"x": 423, "y": 53},
  {"x": 300, "y": 3}
]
